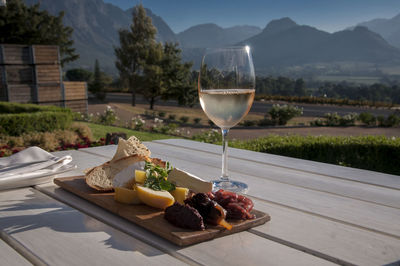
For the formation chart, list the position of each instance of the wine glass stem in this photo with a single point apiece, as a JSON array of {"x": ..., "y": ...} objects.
[{"x": 224, "y": 175}]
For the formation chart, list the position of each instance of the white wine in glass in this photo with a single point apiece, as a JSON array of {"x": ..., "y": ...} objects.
[{"x": 226, "y": 91}]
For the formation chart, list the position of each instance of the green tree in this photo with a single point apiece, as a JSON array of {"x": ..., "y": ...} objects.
[
  {"x": 152, "y": 82},
  {"x": 97, "y": 86},
  {"x": 177, "y": 77},
  {"x": 20, "y": 24},
  {"x": 134, "y": 48},
  {"x": 79, "y": 74},
  {"x": 165, "y": 77},
  {"x": 300, "y": 87}
]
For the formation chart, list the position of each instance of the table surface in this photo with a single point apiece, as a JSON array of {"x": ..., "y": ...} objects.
[{"x": 321, "y": 214}]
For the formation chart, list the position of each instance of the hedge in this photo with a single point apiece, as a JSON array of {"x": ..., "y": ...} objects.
[
  {"x": 322, "y": 100},
  {"x": 17, "y": 108},
  {"x": 19, "y": 123},
  {"x": 377, "y": 153}
]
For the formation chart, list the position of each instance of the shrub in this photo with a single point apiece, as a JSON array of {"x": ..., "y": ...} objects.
[
  {"x": 211, "y": 136},
  {"x": 17, "y": 108},
  {"x": 249, "y": 123},
  {"x": 160, "y": 127},
  {"x": 318, "y": 122},
  {"x": 184, "y": 119},
  {"x": 332, "y": 119},
  {"x": 108, "y": 117},
  {"x": 210, "y": 123},
  {"x": 19, "y": 123},
  {"x": 161, "y": 114},
  {"x": 82, "y": 130},
  {"x": 321, "y": 100},
  {"x": 138, "y": 123},
  {"x": 265, "y": 122},
  {"x": 280, "y": 115},
  {"x": 197, "y": 120},
  {"x": 367, "y": 118},
  {"x": 381, "y": 120},
  {"x": 393, "y": 120},
  {"x": 377, "y": 153},
  {"x": 348, "y": 120},
  {"x": 50, "y": 141},
  {"x": 171, "y": 117}
]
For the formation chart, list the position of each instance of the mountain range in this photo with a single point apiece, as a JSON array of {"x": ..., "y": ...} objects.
[
  {"x": 285, "y": 43},
  {"x": 281, "y": 44},
  {"x": 387, "y": 28}
]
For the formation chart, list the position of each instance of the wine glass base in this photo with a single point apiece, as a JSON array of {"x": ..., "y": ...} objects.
[{"x": 234, "y": 186}]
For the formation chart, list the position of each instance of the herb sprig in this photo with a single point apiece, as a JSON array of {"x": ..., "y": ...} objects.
[{"x": 157, "y": 177}]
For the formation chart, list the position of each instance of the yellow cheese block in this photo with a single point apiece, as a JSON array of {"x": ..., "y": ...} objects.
[
  {"x": 154, "y": 198},
  {"x": 127, "y": 196},
  {"x": 140, "y": 176},
  {"x": 180, "y": 194}
]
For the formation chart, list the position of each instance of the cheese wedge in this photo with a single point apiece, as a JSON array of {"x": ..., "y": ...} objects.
[
  {"x": 184, "y": 179},
  {"x": 140, "y": 176},
  {"x": 127, "y": 196},
  {"x": 154, "y": 198},
  {"x": 180, "y": 194}
]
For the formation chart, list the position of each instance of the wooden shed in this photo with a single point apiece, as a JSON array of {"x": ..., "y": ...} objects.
[{"x": 32, "y": 74}]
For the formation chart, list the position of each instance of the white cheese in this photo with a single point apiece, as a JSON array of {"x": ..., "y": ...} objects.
[{"x": 185, "y": 179}]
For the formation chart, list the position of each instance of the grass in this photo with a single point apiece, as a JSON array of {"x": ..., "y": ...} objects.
[{"x": 100, "y": 131}]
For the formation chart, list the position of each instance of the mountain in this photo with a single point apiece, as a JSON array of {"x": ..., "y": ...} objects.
[
  {"x": 283, "y": 43},
  {"x": 212, "y": 35},
  {"x": 96, "y": 26},
  {"x": 388, "y": 28}
]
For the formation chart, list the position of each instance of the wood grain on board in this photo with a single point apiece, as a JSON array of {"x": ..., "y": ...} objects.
[{"x": 152, "y": 219}]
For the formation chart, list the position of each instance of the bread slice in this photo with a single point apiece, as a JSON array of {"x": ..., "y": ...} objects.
[
  {"x": 129, "y": 147},
  {"x": 128, "y": 152},
  {"x": 101, "y": 177}
]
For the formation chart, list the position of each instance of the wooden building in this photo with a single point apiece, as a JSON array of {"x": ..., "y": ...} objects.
[{"x": 32, "y": 74}]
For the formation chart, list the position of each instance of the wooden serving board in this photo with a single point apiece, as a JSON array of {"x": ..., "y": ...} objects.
[{"x": 153, "y": 219}]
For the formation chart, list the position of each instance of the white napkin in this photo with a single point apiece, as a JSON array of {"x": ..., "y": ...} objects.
[{"x": 31, "y": 166}]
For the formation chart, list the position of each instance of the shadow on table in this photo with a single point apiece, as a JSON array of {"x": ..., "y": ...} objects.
[
  {"x": 395, "y": 263},
  {"x": 35, "y": 211}
]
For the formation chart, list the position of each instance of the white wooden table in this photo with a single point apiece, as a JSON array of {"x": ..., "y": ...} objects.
[{"x": 321, "y": 214}]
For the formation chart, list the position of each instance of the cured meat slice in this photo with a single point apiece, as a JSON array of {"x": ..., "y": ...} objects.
[{"x": 237, "y": 206}]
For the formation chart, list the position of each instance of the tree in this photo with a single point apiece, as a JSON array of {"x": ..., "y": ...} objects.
[
  {"x": 97, "y": 86},
  {"x": 152, "y": 81},
  {"x": 20, "y": 24},
  {"x": 79, "y": 74},
  {"x": 178, "y": 77},
  {"x": 165, "y": 77},
  {"x": 134, "y": 48},
  {"x": 300, "y": 87}
]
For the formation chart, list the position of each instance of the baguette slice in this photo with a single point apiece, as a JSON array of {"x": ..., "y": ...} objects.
[
  {"x": 101, "y": 177},
  {"x": 128, "y": 152}
]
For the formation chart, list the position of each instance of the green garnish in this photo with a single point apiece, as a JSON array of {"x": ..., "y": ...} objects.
[{"x": 157, "y": 177}]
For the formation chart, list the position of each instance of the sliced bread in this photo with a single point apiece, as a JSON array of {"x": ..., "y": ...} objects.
[{"x": 128, "y": 152}]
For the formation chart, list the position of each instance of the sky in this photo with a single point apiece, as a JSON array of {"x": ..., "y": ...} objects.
[{"x": 328, "y": 15}]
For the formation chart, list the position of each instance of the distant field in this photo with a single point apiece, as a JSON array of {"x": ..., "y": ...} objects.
[
  {"x": 354, "y": 79},
  {"x": 394, "y": 70}
]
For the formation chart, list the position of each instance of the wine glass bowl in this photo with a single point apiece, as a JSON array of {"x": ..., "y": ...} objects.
[{"x": 226, "y": 90}]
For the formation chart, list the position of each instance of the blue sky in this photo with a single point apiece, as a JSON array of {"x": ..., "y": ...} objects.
[{"x": 328, "y": 15}]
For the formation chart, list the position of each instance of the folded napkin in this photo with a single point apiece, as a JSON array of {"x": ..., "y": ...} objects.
[{"x": 31, "y": 166}]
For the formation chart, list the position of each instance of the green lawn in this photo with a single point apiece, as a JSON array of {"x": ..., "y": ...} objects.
[{"x": 100, "y": 131}]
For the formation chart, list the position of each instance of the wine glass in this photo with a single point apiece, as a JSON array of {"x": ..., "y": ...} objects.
[{"x": 226, "y": 91}]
